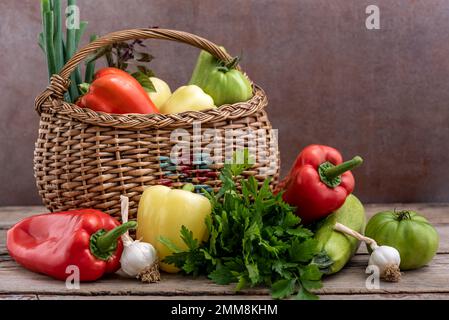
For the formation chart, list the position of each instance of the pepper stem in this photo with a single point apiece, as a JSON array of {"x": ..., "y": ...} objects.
[
  {"x": 103, "y": 243},
  {"x": 84, "y": 88},
  {"x": 338, "y": 170},
  {"x": 330, "y": 174}
]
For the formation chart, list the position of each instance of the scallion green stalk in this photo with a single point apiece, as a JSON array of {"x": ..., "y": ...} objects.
[
  {"x": 47, "y": 35},
  {"x": 80, "y": 32},
  {"x": 90, "y": 66},
  {"x": 58, "y": 52},
  {"x": 70, "y": 51},
  {"x": 70, "y": 36},
  {"x": 58, "y": 41},
  {"x": 78, "y": 36},
  {"x": 48, "y": 39},
  {"x": 41, "y": 42},
  {"x": 45, "y": 7}
]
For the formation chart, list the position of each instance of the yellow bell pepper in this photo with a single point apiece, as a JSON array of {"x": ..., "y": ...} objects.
[
  {"x": 188, "y": 98},
  {"x": 163, "y": 211},
  {"x": 162, "y": 94}
]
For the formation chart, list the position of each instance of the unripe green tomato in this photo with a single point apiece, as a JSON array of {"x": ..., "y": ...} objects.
[
  {"x": 225, "y": 84},
  {"x": 411, "y": 234}
]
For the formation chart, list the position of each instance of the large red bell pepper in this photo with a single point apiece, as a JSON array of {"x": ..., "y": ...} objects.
[
  {"x": 115, "y": 91},
  {"x": 49, "y": 243},
  {"x": 318, "y": 183}
]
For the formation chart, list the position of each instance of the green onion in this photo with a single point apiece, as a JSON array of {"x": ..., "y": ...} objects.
[
  {"x": 58, "y": 41},
  {"x": 70, "y": 51},
  {"x": 70, "y": 36},
  {"x": 80, "y": 32},
  {"x": 78, "y": 35},
  {"x": 90, "y": 65},
  {"x": 45, "y": 7},
  {"x": 47, "y": 35},
  {"x": 42, "y": 42},
  {"x": 48, "y": 39},
  {"x": 58, "y": 52}
]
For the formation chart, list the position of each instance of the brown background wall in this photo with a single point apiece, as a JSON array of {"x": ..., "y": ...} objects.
[{"x": 382, "y": 94}]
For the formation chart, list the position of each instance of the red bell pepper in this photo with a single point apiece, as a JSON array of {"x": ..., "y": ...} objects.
[
  {"x": 87, "y": 238},
  {"x": 115, "y": 91},
  {"x": 318, "y": 183}
]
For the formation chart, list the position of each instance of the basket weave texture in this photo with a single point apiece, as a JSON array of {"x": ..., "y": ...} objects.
[{"x": 87, "y": 159}]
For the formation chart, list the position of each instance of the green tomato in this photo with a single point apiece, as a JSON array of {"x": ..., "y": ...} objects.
[
  {"x": 411, "y": 234},
  {"x": 225, "y": 84}
]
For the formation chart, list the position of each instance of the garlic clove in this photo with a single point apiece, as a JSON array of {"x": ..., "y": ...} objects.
[
  {"x": 387, "y": 259},
  {"x": 136, "y": 257}
]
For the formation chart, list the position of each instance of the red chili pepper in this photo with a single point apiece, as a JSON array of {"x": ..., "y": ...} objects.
[
  {"x": 115, "y": 91},
  {"x": 319, "y": 182},
  {"x": 49, "y": 243}
]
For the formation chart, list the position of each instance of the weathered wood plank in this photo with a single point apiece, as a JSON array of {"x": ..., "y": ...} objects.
[
  {"x": 387, "y": 296},
  {"x": 17, "y": 280},
  {"x": 11, "y": 215},
  {"x": 351, "y": 280},
  {"x": 18, "y": 297},
  {"x": 153, "y": 297},
  {"x": 3, "y": 250},
  {"x": 428, "y": 282},
  {"x": 436, "y": 212},
  {"x": 433, "y": 278}
]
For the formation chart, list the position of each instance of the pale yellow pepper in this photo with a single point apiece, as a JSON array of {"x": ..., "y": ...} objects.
[
  {"x": 162, "y": 93},
  {"x": 163, "y": 211},
  {"x": 187, "y": 98}
]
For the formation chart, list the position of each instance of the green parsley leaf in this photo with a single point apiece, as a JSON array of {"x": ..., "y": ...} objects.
[
  {"x": 283, "y": 288},
  {"x": 304, "y": 294},
  {"x": 303, "y": 251},
  {"x": 290, "y": 220},
  {"x": 169, "y": 244},
  {"x": 187, "y": 237},
  {"x": 300, "y": 232},
  {"x": 222, "y": 275},
  {"x": 253, "y": 273},
  {"x": 312, "y": 284},
  {"x": 310, "y": 272}
]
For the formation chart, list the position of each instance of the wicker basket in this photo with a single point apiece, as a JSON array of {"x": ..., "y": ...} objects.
[{"x": 85, "y": 158}]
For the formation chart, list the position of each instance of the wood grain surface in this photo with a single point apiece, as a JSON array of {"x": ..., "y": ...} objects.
[{"x": 429, "y": 282}]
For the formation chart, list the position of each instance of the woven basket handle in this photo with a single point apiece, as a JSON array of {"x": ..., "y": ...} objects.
[{"x": 59, "y": 83}]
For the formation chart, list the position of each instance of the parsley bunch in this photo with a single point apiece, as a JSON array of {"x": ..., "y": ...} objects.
[{"x": 255, "y": 239}]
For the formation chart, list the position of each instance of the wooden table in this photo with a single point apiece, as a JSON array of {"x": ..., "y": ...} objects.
[{"x": 430, "y": 282}]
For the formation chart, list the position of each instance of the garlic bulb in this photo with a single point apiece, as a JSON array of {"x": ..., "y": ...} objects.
[
  {"x": 387, "y": 259},
  {"x": 136, "y": 257},
  {"x": 139, "y": 259}
]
